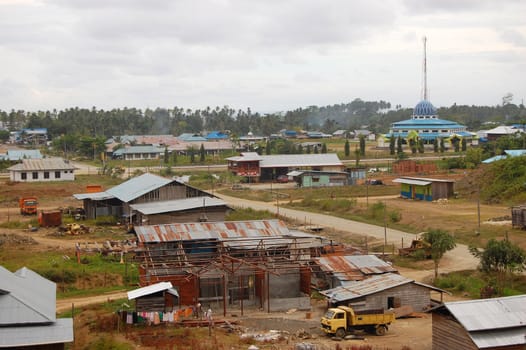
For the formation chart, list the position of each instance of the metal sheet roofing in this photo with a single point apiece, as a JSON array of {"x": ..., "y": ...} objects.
[
  {"x": 18, "y": 154},
  {"x": 300, "y": 160},
  {"x": 42, "y": 164},
  {"x": 371, "y": 285},
  {"x": 177, "y": 205},
  {"x": 211, "y": 230},
  {"x": 412, "y": 182},
  {"x": 28, "y": 298},
  {"x": 95, "y": 196},
  {"x": 152, "y": 289},
  {"x": 60, "y": 331},
  {"x": 492, "y": 322},
  {"x": 137, "y": 186},
  {"x": 354, "y": 267}
]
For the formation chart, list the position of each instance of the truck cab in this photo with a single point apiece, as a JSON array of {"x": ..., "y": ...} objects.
[{"x": 28, "y": 205}]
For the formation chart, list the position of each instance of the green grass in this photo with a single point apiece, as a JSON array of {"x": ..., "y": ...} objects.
[{"x": 470, "y": 283}]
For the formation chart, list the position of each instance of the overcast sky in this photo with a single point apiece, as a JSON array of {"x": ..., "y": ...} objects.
[{"x": 269, "y": 55}]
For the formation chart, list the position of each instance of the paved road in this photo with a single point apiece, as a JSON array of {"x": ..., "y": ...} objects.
[{"x": 454, "y": 260}]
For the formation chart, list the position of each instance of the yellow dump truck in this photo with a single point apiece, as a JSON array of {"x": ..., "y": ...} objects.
[{"x": 343, "y": 320}]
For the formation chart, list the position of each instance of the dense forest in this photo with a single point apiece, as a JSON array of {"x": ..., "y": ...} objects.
[{"x": 373, "y": 115}]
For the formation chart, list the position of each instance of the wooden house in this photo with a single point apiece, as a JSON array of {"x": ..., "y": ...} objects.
[
  {"x": 160, "y": 297},
  {"x": 490, "y": 324},
  {"x": 146, "y": 188},
  {"x": 385, "y": 291}
]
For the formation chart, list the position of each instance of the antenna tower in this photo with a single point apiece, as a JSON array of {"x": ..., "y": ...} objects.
[{"x": 424, "y": 71}]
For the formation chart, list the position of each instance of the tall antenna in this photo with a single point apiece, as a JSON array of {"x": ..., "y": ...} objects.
[{"x": 424, "y": 72}]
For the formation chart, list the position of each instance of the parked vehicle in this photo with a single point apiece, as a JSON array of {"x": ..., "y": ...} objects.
[
  {"x": 282, "y": 179},
  {"x": 417, "y": 245},
  {"x": 343, "y": 320},
  {"x": 28, "y": 205},
  {"x": 374, "y": 182}
]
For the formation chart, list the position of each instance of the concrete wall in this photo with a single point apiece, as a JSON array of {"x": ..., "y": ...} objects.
[
  {"x": 285, "y": 304},
  {"x": 65, "y": 175},
  {"x": 285, "y": 286}
]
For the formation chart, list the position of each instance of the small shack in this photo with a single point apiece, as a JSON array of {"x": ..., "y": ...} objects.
[
  {"x": 490, "y": 324},
  {"x": 425, "y": 188},
  {"x": 386, "y": 291},
  {"x": 518, "y": 216},
  {"x": 158, "y": 297}
]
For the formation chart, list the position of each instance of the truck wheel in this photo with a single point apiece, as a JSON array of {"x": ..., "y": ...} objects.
[
  {"x": 340, "y": 333},
  {"x": 381, "y": 330}
]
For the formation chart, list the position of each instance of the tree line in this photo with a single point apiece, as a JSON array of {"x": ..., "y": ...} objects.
[{"x": 375, "y": 116}]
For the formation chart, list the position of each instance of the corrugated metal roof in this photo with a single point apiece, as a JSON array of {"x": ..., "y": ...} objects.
[
  {"x": 499, "y": 338},
  {"x": 18, "y": 154},
  {"x": 211, "y": 230},
  {"x": 30, "y": 298},
  {"x": 412, "y": 182},
  {"x": 60, "y": 331},
  {"x": 177, "y": 205},
  {"x": 371, "y": 285},
  {"x": 300, "y": 160},
  {"x": 137, "y": 186},
  {"x": 492, "y": 322},
  {"x": 152, "y": 289},
  {"x": 42, "y": 164},
  {"x": 94, "y": 196},
  {"x": 354, "y": 267}
]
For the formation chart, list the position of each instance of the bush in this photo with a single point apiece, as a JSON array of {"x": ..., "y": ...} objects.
[{"x": 106, "y": 220}]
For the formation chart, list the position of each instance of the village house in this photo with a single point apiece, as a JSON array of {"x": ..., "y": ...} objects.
[
  {"x": 42, "y": 170},
  {"x": 268, "y": 167},
  {"x": 143, "y": 189},
  {"x": 490, "y": 324},
  {"x": 384, "y": 291},
  {"x": 28, "y": 313}
]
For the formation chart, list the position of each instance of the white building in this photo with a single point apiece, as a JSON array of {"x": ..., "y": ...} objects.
[{"x": 46, "y": 169}]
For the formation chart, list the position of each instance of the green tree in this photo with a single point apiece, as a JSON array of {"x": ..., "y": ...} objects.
[
  {"x": 347, "y": 148},
  {"x": 315, "y": 150},
  {"x": 440, "y": 242},
  {"x": 323, "y": 148},
  {"x": 420, "y": 146},
  {"x": 392, "y": 142},
  {"x": 357, "y": 154},
  {"x": 362, "y": 145},
  {"x": 464, "y": 145},
  {"x": 399, "y": 145},
  {"x": 174, "y": 157},
  {"x": 166, "y": 155},
  {"x": 268, "y": 148},
  {"x": 435, "y": 145},
  {"x": 502, "y": 257},
  {"x": 202, "y": 154},
  {"x": 442, "y": 146}
]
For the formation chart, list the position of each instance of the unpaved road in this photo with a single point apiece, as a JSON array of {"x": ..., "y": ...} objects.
[{"x": 454, "y": 260}]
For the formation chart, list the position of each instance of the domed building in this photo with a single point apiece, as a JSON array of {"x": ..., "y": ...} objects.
[{"x": 428, "y": 125}]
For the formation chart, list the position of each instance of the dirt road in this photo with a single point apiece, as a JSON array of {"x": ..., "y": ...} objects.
[{"x": 454, "y": 260}]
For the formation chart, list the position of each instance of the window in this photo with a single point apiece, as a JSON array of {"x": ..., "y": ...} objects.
[
  {"x": 46, "y": 174},
  {"x": 57, "y": 174},
  {"x": 34, "y": 175},
  {"x": 23, "y": 176}
]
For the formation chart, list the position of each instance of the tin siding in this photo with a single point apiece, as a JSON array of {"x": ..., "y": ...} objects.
[
  {"x": 449, "y": 334},
  {"x": 408, "y": 294}
]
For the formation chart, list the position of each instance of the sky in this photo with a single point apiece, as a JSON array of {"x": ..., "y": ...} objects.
[{"x": 267, "y": 55}]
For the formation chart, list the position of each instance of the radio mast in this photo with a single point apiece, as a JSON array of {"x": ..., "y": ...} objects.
[{"x": 424, "y": 72}]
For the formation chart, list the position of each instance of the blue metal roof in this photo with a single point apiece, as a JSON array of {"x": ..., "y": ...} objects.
[
  {"x": 216, "y": 135},
  {"x": 18, "y": 154},
  {"x": 137, "y": 186},
  {"x": 424, "y": 108}
]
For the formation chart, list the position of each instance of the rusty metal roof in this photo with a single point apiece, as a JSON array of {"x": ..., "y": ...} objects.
[
  {"x": 211, "y": 230},
  {"x": 354, "y": 267}
]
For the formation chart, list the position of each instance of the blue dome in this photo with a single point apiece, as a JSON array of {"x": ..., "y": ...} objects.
[{"x": 424, "y": 108}]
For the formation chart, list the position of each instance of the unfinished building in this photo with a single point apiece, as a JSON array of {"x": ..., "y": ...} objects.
[{"x": 237, "y": 264}]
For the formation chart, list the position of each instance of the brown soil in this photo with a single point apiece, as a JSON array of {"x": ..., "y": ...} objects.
[{"x": 412, "y": 333}]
